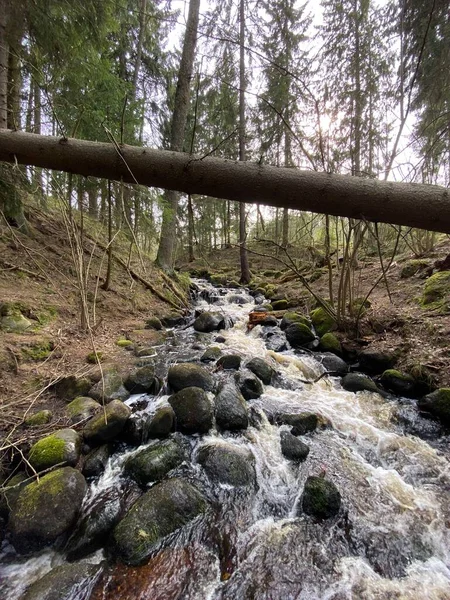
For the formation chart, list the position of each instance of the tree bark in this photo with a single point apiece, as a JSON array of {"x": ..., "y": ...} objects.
[
  {"x": 167, "y": 241},
  {"x": 4, "y": 54},
  {"x": 412, "y": 204}
]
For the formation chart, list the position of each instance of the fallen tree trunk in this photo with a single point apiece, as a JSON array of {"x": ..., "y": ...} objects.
[{"x": 414, "y": 205}]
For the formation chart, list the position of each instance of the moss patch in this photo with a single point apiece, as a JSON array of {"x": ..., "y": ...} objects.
[
  {"x": 38, "y": 350},
  {"x": 124, "y": 343},
  {"x": 330, "y": 343},
  {"x": 40, "y": 418},
  {"x": 413, "y": 267},
  {"x": 94, "y": 357},
  {"x": 436, "y": 291},
  {"x": 48, "y": 452},
  {"x": 322, "y": 321}
]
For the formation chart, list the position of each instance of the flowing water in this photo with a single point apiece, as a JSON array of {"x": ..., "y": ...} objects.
[{"x": 389, "y": 541}]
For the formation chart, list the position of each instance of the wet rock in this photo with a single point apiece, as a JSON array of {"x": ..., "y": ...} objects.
[
  {"x": 142, "y": 381},
  {"x": 68, "y": 388},
  {"x": 299, "y": 335},
  {"x": 275, "y": 340},
  {"x": 229, "y": 362},
  {"x": 438, "y": 404},
  {"x": 280, "y": 304},
  {"x": 186, "y": 375},
  {"x": 193, "y": 410},
  {"x": 334, "y": 364},
  {"x": 322, "y": 321},
  {"x": 165, "y": 508},
  {"x": 220, "y": 339},
  {"x": 110, "y": 387},
  {"x": 153, "y": 463},
  {"x": 357, "y": 382},
  {"x": 330, "y": 343},
  {"x": 107, "y": 424},
  {"x": 65, "y": 582},
  {"x": 238, "y": 299},
  {"x": 398, "y": 383},
  {"x": 320, "y": 498},
  {"x": 207, "y": 322},
  {"x": 60, "y": 448},
  {"x": 293, "y": 448},
  {"x": 231, "y": 408},
  {"x": 46, "y": 509},
  {"x": 229, "y": 464},
  {"x": 161, "y": 424},
  {"x": 153, "y": 323},
  {"x": 292, "y": 317},
  {"x": 95, "y": 461},
  {"x": 42, "y": 417},
  {"x": 133, "y": 433},
  {"x": 269, "y": 321},
  {"x": 82, "y": 408},
  {"x": 374, "y": 362},
  {"x": 249, "y": 385},
  {"x": 95, "y": 524},
  {"x": 261, "y": 368},
  {"x": 172, "y": 320},
  {"x": 301, "y": 423},
  {"x": 211, "y": 354}
]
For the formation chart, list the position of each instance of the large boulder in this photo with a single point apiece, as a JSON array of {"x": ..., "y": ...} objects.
[
  {"x": 165, "y": 508},
  {"x": 249, "y": 385},
  {"x": 333, "y": 363},
  {"x": 207, "y": 322},
  {"x": 12, "y": 320},
  {"x": 105, "y": 426},
  {"x": 357, "y": 382},
  {"x": 229, "y": 362},
  {"x": 299, "y": 335},
  {"x": 60, "y": 448},
  {"x": 46, "y": 509},
  {"x": 330, "y": 343},
  {"x": 292, "y": 317},
  {"x": 42, "y": 417},
  {"x": 142, "y": 381},
  {"x": 160, "y": 424},
  {"x": 320, "y": 498},
  {"x": 293, "y": 448},
  {"x": 438, "y": 404},
  {"x": 9, "y": 492},
  {"x": 110, "y": 387},
  {"x": 68, "y": 388},
  {"x": 229, "y": 464},
  {"x": 82, "y": 408},
  {"x": 193, "y": 410},
  {"x": 375, "y": 362},
  {"x": 186, "y": 375},
  {"x": 65, "y": 582},
  {"x": 398, "y": 383},
  {"x": 322, "y": 321},
  {"x": 153, "y": 463},
  {"x": 261, "y": 368},
  {"x": 436, "y": 290},
  {"x": 301, "y": 423},
  {"x": 231, "y": 408}
]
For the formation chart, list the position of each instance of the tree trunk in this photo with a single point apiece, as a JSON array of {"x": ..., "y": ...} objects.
[
  {"x": 167, "y": 241},
  {"x": 4, "y": 54},
  {"x": 412, "y": 204},
  {"x": 245, "y": 269}
]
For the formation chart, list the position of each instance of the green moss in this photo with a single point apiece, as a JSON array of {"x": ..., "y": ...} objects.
[
  {"x": 38, "y": 350},
  {"x": 47, "y": 452},
  {"x": 393, "y": 373},
  {"x": 47, "y": 315},
  {"x": 270, "y": 292},
  {"x": 360, "y": 306},
  {"x": 412, "y": 267},
  {"x": 80, "y": 405},
  {"x": 294, "y": 317},
  {"x": 322, "y": 321},
  {"x": 40, "y": 418},
  {"x": 124, "y": 343},
  {"x": 52, "y": 484},
  {"x": 436, "y": 291},
  {"x": 330, "y": 343},
  {"x": 12, "y": 319},
  {"x": 94, "y": 357},
  {"x": 153, "y": 323},
  {"x": 280, "y": 304},
  {"x": 218, "y": 279},
  {"x": 268, "y": 307}
]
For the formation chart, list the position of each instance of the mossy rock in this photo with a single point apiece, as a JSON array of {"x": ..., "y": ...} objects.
[
  {"x": 290, "y": 317},
  {"x": 228, "y": 464},
  {"x": 68, "y": 388},
  {"x": 267, "y": 307},
  {"x": 153, "y": 323},
  {"x": 438, "y": 404},
  {"x": 218, "y": 279},
  {"x": 166, "y": 507},
  {"x": 39, "y": 418},
  {"x": 193, "y": 410},
  {"x": 398, "y": 383},
  {"x": 60, "y": 448},
  {"x": 270, "y": 291},
  {"x": 46, "y": 509},
  {"x": 107, "y": 424},
  {"x": 211, "y": 354},
  {"x": 155, "y": 462},
  {"x": 38, "y": 350},
  {"x": 186, "y": 375},
  {"x": 94, "y": 357},
  {"x": 12, "y": 319},
  {"x": 299, "y": 335},
  {"x": 415, "y": 267},
  {"x": 357, "y": 382},
  {"x": 124, "y": 343},
  {"x": 280, "y": 304},
  {"x": 109, "y": 388},
  {"x": 10, "y": 492},
  {"x": 436, "y": 291},
  {"x": 322, "y": 321},
  {"x": 64, "y": 582},
  {"x": 82, "y": 408},
  {"x": 330, "y": 343},
  {"x": 320, "y": 498},
  {"x": 261, "y": 368}
]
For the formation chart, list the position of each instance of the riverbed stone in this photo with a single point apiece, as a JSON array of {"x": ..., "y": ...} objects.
[
  {"x": 293, "y": 317},
  {"x": 320, "y": 498},
  {"x": 301, "y": 423},
  {"x": 46, "y": 509},
  {"x": 211, "y": 354},
  {"x": 228, "y": 464},
  {"x": 437, "y": 404},
  {"x": 153, "y": 463},
  {"x": 322, "y": 321},
  {"x": 82, "y": 408},
  {"x": 293, "y": 448},
  {"x": 375, "y": 362},
  {"x": 280, "y": 304},
  {"x": 299, "y": 335},
  {"x": 105, "y": 426},
  {"x": 229, "y": 362},
  {"x": 330, "y": 343},
  {"x": 141, "y": 381},
  {"x": 153, "y": 323},
  {"x": 61, "y": 448},
  {"x": 68, "y": 388},
  {"x": 65, "y": 582},
  {"x": 166, "y": 507},
  {"x": 193, "y": 410},
  {"x": 249, "y": 385},
  {"x": 172, "y": 319},
  {"x": 95, "y": 462},
  {"x": 333, "y": 363},
  {"x": 161, "y": 424},
  {"x": 186, "y": 375},
  {"x": 207, "y": 322},
  {"x": 231, "y": 408},
  {"x": 109, "y": 388},
  {"x": 398, "y": 383},
  {"x": 261, "y": 368},
  {"x": 357, "y": 382}
]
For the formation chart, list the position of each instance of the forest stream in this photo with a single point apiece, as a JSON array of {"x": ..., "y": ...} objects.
[{"x": 389, "y": 538}]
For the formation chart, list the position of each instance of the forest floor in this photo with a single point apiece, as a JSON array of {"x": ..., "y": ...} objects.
[{"x": 38, "y": 273}]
